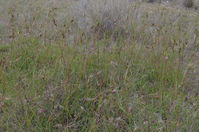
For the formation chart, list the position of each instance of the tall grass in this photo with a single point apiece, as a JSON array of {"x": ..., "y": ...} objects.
[
  {"x": 47, "y": 88},
  {"x": 97, "y": 66}
]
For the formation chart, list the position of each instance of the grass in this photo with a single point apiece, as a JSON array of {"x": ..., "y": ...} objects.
[
  {"x": 57, "y": 76},
  {"x": 48, "y": 88}
]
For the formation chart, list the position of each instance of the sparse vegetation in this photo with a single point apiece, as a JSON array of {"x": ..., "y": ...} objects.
[{"x": 98, "y": 65}]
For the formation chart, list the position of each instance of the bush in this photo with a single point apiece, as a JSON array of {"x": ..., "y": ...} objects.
[
  {"x": 188, "y": 3},
  {"x": 102, "y": 16}
]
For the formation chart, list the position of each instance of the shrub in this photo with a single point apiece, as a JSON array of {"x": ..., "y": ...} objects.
[
  {"x": 102, "y": 16},
  {"x": 188, "y": 3}
]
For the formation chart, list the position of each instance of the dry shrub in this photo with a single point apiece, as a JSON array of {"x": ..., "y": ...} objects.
[{"x": 102, "y": 16}]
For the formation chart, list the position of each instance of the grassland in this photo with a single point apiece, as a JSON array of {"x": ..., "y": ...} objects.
[{"x": 138, "y": 74}]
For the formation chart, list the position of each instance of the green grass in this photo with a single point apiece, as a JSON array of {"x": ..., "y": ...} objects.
[{"x": 126, "y": 87}]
